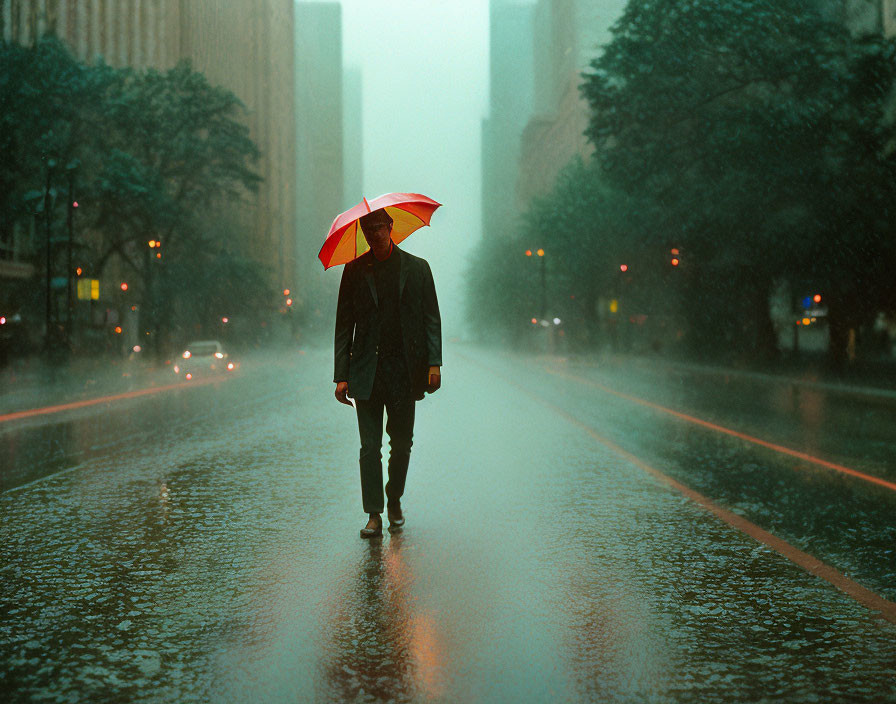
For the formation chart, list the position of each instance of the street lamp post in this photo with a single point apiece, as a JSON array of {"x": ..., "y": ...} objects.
[
  {"x": 49, "y": 253},
  {"x": 544, "y": 298},
  {"x": 72, "y": 205}
]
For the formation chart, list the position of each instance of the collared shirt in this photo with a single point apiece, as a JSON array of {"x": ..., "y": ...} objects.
[{"x": 386, "y": 275}]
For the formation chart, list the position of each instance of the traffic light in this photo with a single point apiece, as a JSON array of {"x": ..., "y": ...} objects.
[{"x": 675, "y": 259}]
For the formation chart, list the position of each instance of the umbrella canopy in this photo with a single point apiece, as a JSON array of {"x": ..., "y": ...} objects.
[{"x": 345, "y": 241}]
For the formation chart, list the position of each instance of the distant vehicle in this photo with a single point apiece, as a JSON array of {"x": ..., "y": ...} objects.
[{"x": 204, "y": 358}]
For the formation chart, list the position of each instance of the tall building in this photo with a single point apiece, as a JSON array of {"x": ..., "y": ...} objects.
[
  {"x": 138, "y": 33},
  {"x": 352, "y": 138},
  {"x": 568, "y": 35},
  {"x": 319, "y": 163},
  {"x": 511, "y": 84},
  {"x": 249, "y": 47}
]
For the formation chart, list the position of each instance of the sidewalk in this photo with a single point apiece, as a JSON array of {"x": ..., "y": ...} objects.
[{"x": 870, "y": 379}]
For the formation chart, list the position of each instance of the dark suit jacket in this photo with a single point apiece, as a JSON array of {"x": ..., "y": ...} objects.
[{"x": 358, "y": 324}]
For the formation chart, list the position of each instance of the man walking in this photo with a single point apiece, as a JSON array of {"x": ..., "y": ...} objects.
[{"x": 388, "y": 354}]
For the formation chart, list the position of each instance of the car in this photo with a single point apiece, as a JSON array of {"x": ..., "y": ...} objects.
[{"x": 204, "y": 358}]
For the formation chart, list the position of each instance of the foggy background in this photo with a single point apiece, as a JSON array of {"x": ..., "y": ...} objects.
[{"x": 424, "y": 69}]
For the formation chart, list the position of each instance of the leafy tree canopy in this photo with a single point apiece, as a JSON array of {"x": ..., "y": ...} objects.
[{"x": 759, "y": 128}]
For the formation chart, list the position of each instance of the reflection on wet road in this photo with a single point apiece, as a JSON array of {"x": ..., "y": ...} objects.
[
  {"x": 843, "y": 520},
  {"x": 203, "y": 545}
]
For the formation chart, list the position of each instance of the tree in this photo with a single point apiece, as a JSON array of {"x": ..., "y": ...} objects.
[
  {"x": 159, "y": 157},
  {"x": 176, "y": 154},
  {"x": 756, "y": 127},
  {"x": 587, "y": 229},
  {"x": 51, "y": 106}
]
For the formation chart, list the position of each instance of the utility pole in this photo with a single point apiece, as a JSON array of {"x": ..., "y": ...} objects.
[
  {"x": 49, "y": 332},
  {"x": 68, "y": 273}
]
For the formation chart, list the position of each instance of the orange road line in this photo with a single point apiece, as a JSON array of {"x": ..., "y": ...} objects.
[
  {"x": 728, "y": 431},
  {"x": 811, "y": 564},
  {"x": 103, "y": 399}
]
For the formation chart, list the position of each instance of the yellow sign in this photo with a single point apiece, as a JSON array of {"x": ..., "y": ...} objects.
[
  {"x": 88, "y": 289},
  {"x": 614, "y": 306}
]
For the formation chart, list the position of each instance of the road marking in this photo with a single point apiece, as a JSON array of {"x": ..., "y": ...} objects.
[
  {"x": 119, "y": 441},
  {"x": 812, "y": 565},
  {"x": 103, "y": 399},
  {"x": 728, "y": 431}
]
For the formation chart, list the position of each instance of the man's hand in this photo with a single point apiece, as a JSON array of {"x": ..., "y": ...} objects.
[
  {"x": 435, "y": 379},
  {"x": 342, "y": 392}
]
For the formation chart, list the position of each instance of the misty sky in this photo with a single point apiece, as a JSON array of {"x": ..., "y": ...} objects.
[{"x": 424, "y": 68}]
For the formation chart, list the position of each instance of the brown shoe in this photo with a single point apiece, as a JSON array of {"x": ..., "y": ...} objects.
[
  {"x": 374, "y": 527},
  {"x": 396, "y": 517}
]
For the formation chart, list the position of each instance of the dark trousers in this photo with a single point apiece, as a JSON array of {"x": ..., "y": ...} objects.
[{"x": 392, "y": 392}]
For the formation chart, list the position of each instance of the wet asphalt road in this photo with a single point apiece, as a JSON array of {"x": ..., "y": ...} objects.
[{"x": 202, "y": 545}]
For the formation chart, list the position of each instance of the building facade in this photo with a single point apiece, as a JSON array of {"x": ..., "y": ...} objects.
[
  {"x": 320, "y": 165},
  {"x": 511, "y": 82},
  {"x": 864, "y": 17},
  {"x": 352, "y": 137},
  {"x": 245, "y": 47},
  {"x": 249, "y": 48},
  {"x": 568, "y": 35},
  {"x": 138, "y": 33}
]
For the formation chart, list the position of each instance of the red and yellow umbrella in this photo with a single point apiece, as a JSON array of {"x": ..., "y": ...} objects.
[{"x": 345, "y": 241}]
